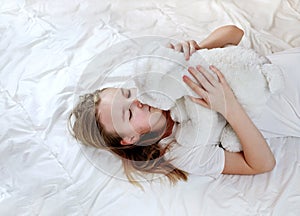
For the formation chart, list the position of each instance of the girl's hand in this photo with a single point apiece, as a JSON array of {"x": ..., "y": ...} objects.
[
  {"x": 215, "y": 94},
  {"x": 187, "y": 47}
]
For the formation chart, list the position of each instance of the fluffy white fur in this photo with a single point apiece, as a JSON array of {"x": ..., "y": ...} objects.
[{"x": 159, "y": 83}]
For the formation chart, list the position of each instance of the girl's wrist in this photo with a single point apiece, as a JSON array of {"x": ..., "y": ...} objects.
[
  {"x": 200, "y": 45},
  {"x": 232, "y": 111}
]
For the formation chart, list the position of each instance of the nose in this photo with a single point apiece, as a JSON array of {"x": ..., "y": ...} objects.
[{"x": 137, "y": 103}]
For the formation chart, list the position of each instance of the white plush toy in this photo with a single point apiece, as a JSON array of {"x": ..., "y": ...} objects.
[{"x": 159, "y": 82}]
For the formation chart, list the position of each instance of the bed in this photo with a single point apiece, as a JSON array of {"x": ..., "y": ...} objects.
[{"x": 45, "y": 47}]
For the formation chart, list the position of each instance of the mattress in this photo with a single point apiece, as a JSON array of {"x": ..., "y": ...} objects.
[{"x": 45, "y": 47}]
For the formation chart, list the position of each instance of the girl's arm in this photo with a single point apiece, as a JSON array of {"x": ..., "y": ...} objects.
[
  {"x": 217, "y": 94},
  {"x": 220, "y": 37},
  {"x": 256, "y": 156}
]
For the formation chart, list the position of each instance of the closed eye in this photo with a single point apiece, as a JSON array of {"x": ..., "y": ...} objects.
[{"x": 130, "y": 114}]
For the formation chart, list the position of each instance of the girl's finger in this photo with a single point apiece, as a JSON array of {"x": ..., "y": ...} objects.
[
  {"x": 178, "y": 47},
  {"x": 193, "y": 46},
  {"x": 170, "y": 45},
  {"x": 186, "y": 50},
  {"x": 192, "y": 49},
  {"x": 219, "y": 74},
  {"x": 208, "y": 75},
  {"x": 195, "y": 87},
  {"x": 200, "y": 101},
  {"x": 200, "y": 78}
]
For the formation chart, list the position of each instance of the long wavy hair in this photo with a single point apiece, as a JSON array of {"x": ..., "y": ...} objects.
[{"x": 146, "y": 156}]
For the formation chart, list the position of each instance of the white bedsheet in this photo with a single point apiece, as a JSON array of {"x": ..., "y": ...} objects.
[{"x": 44, "y": 48}]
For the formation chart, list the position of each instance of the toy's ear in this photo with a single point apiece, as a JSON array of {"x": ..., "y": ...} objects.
[
  {"x": 130, "y": 140},
  {"x": 274, "y": 77}
]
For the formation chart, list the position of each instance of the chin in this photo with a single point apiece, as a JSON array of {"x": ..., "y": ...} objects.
[
  {"x": 160, "y": 122},
  {"x": 153, "y": 109}
]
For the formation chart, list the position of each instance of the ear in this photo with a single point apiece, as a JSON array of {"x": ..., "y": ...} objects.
[{"x": 130, "y": 140}]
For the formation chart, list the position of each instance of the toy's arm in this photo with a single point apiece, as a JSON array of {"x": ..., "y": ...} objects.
[{"x": 222, "y": 36}]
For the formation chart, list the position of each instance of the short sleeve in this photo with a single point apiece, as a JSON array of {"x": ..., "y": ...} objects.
[
  {"x": 208, "y": 160},
  {"x": 246, "y": 39},
  {"x": 245, "y": 42}
]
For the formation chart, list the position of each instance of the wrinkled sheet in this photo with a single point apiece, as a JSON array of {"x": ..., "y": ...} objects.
[{"x": 45, "y": 47}]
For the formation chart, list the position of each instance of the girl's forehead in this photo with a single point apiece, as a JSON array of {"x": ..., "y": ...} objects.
[
  {"x": 106, "y": 109},
  {"x": 109, "y": 91}
]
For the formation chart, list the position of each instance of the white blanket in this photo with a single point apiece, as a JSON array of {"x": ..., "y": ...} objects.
[{"x": 45, "y": 48}]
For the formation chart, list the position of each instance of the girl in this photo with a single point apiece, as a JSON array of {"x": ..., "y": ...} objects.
[{"x": 112, "y": 118}]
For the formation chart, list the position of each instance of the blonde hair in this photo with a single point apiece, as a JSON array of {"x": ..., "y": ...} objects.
[{"x": 137, "y": 157}]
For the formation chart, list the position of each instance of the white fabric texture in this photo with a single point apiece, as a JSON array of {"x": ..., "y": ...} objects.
[
  {"x": 281, "y": 116},
  {"x": 45, "y": 48}
]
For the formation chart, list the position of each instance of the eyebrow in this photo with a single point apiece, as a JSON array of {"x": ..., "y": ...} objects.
[{"x": 123, "y": 111}]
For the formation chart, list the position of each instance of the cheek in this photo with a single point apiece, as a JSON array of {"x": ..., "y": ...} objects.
[
  {"x": 155, "y": 117},
  {"x": 141, "y": 122},
  {"x": 144, "y": 121}
]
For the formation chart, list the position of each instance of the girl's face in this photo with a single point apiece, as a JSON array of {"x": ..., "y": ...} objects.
[{"x": 120, "y": 112}]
